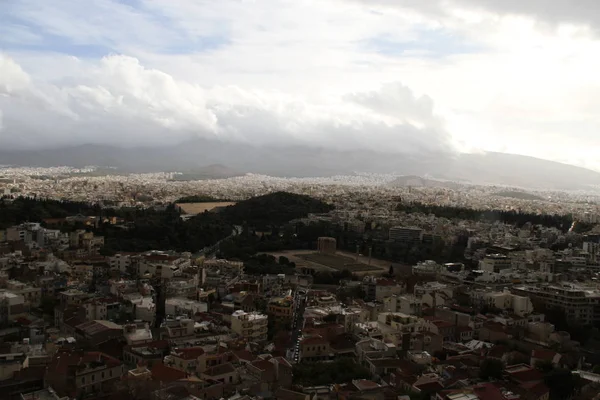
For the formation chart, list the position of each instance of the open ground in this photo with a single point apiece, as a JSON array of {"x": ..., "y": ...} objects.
[
  {"x": 199, "y": 208},
  {"x": 338, "y": 262}
]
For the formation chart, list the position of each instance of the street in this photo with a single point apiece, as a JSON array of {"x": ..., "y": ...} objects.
[{"x": 297, "y": 324}]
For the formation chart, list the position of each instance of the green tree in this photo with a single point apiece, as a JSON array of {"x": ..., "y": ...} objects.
[
  {"x": 330, "y": 318},
  {"x": 561, "y": 382},
  {"x": 544, "y": 366},
  {"x": 491, "y": 368}
]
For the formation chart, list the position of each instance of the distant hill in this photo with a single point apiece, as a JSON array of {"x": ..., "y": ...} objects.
[
  {"x": 518, "y": 195},
  {"x": 203, "y": 158},
  {"x": 417, "y": 181}
]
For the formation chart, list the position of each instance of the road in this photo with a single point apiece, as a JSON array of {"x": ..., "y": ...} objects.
[
  {"x": 211, "y": 251},
  {"x": 297, "y": 325}
]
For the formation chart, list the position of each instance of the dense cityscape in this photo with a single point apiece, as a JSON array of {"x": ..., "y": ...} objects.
[
  {"x": 299, "y": 200},
  {"x": 363, "y": 286}
]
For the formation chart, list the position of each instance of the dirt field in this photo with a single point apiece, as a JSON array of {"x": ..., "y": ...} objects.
[
  {"x": 198, "y": 208},
  {"x": 338, "y": 262},
  {"x": 319, "y": 262}
]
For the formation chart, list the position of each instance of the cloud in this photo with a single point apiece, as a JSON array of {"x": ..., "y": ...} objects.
[
  {"x": 118, "y": 101},
  {"x": 511, "y": 75}
]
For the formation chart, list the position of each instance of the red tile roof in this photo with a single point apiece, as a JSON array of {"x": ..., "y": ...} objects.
[
  {"x": 543, "y": 354},
  {"x": 263, "y": 365},
  {"x": 63, "y": 359},
  {"x": 364, "y": 384},
  {"x": 488, "y": 391},
  {"x": 220, "y": 370},
  {"x": 313, "y": 340},
  {"x": 526, "y": 374},
  {"x": 244, "y": 355},
  {"x": 442, "y": 324},
  {"x": 537, "y": 389},
  {"x": 161, "y": 372},
  {"x": 190, "y": 353}
]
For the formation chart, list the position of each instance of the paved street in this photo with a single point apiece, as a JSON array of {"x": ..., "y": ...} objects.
[{"x": 297, "y": 324}]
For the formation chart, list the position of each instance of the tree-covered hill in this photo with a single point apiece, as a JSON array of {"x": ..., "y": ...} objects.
[
  {"x": 147, "y": 229},
  {"x": 273, "y": 209}
]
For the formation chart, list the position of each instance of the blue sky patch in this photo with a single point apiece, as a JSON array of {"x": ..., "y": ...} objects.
[{"x": 428, "y": 42}]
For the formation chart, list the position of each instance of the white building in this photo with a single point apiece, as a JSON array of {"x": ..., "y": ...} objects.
[
  {"x": 407, "y": 304},
  {"x": 495, "y": 263},
  {"x": 31, "y": 294},
  {"x": 580, "y": 303},
  {"x": 251, "y": 326},
  {"x": 178, "y": 306}
]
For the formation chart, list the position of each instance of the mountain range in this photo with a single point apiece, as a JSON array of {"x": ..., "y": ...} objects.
[{"x": 203, "y": 158}]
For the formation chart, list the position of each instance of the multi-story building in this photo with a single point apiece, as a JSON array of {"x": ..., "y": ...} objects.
[
  {"x": 281, "y": 308},
  {"x": 185, "y": 359},
  {"x": 407, "y": 304},
  {"x": 77, "y": 373},
  {"x": 504, "y": 300},
  {"x": 580, "y": 303},
  {"x": 157, "y": 263},
  {"x": 380, "y": 288},
  {"x": 122, "y": 261},
  {"x": 179, "y": 328},
  {"x": 315, "y": 348},
  {"x": 32, "y": 295},
  {"x": 80, "y": 239},
  {"x": 101, "y": 308},
  {"x": 147, "y": 353},
  {"x": 251, "y": 326},
  {"x": 11, "y": 306},
  {"x": 495, "y": 263}
]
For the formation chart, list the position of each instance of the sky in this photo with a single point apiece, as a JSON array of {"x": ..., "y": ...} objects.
[{"x": 402, "y": 76}]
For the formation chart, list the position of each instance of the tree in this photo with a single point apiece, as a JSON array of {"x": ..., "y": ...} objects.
[
  {"x": 330, "y": 318},
  {"x": 561, "y": 382},
  {"x": 491, "y": 368},
  {"x": 544, "y": 366},
  {"x": 391, "y": 271},
  {"x": 284, "y": 260}
]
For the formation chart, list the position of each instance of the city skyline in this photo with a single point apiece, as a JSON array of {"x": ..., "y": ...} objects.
[{"x": 396, "y": 76}]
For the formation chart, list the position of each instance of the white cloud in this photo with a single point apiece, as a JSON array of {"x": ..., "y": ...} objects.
[
  {"x": 118, "y": 101},
  {"x": 507, "y": 75}
]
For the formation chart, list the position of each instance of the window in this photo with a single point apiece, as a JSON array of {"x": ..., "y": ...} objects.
[
  {"x": 83, "y": 380},
  {"x": 102, "y": 374}
]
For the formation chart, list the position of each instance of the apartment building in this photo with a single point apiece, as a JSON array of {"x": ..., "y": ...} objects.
[
  {"x": 503, "y": 300},
  {"x": 11, "y": 306},
  {"x": 102, "y": 308},
  {"x": 32, "y": 295},
  {"x": 179, "y": 328},
  {"x": 281, "y": 308},
  {"x": 495, "y": 263},
  {"x": 185, "y": 359},
  {"x": 407, "y": 304},
  {"x": 77, "y": 373},
  {"x": 580, "y": 303},
  {"x": 249, "y": 325},
  {"x": 122, "y": 261},
  {"x": 380, "y": 288},
  {"x": 315, "y": 348},
  {"x": 156, "y": 263}
]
